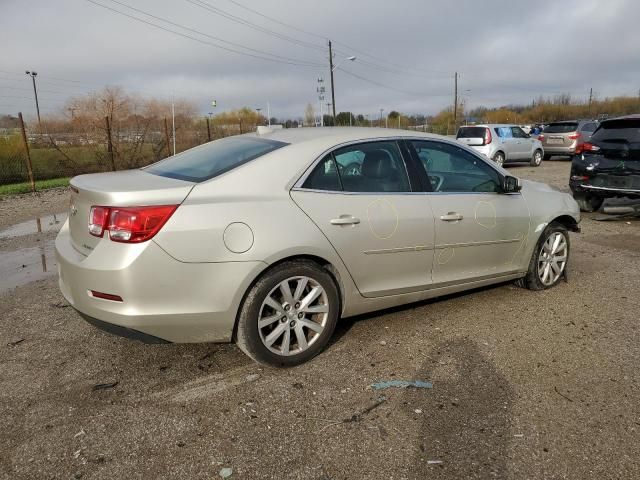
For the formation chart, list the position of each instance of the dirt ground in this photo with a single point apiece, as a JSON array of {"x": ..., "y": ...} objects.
[{"x": 535, "y": 385}]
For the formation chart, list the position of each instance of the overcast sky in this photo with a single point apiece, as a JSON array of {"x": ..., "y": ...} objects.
[{"x": 407, "y": 50}]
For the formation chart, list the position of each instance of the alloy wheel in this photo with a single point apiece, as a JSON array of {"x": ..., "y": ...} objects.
[
  {"x": 552, "y": 259},
  {"x": 499, "y": 159},
  {"x": 293, "y": 315},
  {"x": 537, "y": 157}
]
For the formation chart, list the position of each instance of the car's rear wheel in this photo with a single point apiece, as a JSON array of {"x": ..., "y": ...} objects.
[
  {"x": 536, "y": 159},
  {"x": 588, "y": 203},
  {"x": 549, "y": 260},
  {"x": 289, "y": 315},
  {"x": 499, "y": 158}
]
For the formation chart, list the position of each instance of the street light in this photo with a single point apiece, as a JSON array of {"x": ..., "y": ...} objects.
[
  {"x": 332, "y": 69},
  {"x": 33, "y": 76}
]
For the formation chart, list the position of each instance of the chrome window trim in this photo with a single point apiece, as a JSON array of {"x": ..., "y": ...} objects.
[{"x": 297, "y": 186}]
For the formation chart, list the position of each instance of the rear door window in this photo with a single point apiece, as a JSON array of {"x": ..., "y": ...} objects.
[
  {"x": 566, "y": 127},
  {"x": 214, "y": 158},
  {"x": 504, "y": 132},
  {"x": 372, "y": 167}
]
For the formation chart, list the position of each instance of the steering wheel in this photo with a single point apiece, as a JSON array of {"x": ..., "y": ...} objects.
[{"x": 436, "y": 181}]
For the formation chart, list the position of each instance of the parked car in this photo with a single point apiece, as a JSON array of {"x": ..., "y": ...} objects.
[
  {"x": 267, "y": 240},
  {"x": 502, "y": 143},
  {"x": 608, "y": 165},
  {"x": 562, "y": 138}
]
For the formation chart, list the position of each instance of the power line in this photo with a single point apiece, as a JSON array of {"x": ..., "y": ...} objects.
[
  {"x": 261, "y": 52},
  {"x": 378, "y": 83},
  {"x": 324, "y": 37},
  {"x": 199, "y": 40},
  {"x": 247, "y": 23}
]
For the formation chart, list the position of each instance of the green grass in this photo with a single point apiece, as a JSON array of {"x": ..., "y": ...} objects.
[{"x": 16, "y": 188}]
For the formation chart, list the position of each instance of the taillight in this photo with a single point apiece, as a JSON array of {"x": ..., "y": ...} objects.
[
  {"x": 573, "y": 136},
  {"x": 129, "y": 224},
  {"x": 98, "y": 218},
  {"x": 587, "y": 147},
  {"x": 487, "y": 136},
  {"x": 541, "y": 137}
]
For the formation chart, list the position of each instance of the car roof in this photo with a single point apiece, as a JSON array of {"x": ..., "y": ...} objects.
[
  {"x": 491, "y": 125},
  {"x": 335, "y": 135}
]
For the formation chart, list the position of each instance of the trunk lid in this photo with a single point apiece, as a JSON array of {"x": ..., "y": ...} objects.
[{"x": 120, "y": 189}]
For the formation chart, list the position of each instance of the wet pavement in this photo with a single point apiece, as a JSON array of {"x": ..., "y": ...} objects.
[{"x": 21, "y": 265}]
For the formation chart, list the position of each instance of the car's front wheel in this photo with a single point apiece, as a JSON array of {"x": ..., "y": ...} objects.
[
  {"x": 549, "y": 260},
  {"x": 289, "y": 315}
]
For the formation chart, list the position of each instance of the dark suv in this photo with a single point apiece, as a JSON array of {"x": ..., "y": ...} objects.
[{"x": 608, "y": 165}]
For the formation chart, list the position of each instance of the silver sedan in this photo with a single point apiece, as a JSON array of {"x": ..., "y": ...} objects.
[{"x": 269, "y": 238}]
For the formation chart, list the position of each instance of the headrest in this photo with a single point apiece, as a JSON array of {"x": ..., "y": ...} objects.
[{"x": 377, "y": 164}]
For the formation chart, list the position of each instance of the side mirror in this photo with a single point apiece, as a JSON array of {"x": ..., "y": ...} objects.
[{"x": 511, "y": 184}]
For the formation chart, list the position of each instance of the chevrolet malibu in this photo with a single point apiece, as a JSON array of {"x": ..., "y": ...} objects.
[{"x": 269, "y": 238}]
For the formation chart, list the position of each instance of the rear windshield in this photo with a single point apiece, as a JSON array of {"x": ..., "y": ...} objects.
[
  {"x": 561, "y": 128},
  {"x": 214, "y": 158},
  {"x": 622, "y": 129},
  {"x": 471, "y": 132}
]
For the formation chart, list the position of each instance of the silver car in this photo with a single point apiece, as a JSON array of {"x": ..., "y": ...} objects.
[
  {"x": 502, "y": 143},
  {"x": 269, "y": 238},
  {"x": 564, "y": 138}
]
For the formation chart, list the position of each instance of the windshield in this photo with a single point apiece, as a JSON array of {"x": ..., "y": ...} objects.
[
  {"x": 622, "y": 129},
  {"x": 213, "y": 158},
  {"x": 561, "y": 128}
]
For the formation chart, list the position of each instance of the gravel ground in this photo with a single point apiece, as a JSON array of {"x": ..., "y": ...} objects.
[{"x": 525, "y": 384}]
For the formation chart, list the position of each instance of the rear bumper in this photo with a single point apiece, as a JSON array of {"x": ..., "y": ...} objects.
[
  {"x": 558, "y": 150},
  {"x": 121, "y": 331},
  {"x": 163, "y": 298}
]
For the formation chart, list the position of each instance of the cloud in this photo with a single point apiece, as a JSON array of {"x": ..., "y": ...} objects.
[{"x": 505, "y": 51}]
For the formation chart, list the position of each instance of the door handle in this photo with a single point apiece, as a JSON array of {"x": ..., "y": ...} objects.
[
  {"x": 345, "y": 220},
  {"x": 451, "y": 217}
]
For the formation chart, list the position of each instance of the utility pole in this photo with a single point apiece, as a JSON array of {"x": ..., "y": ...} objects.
[
  {"x": 208, "y": 129},
  {"x": 333, "y": 92},
  {"x": 33, "y": 76},
  {"x": 320, "y": 90},
  {"x": 173, "y": 122},
  {"x": 110, "y": 143},
  {"x": 268, "y": 114},
  {"x": 590, "y": 99},
  {"x": 166, "y": 137},
  {"x": 28, "y": 156},
  {"x": 455, "y": 102}
]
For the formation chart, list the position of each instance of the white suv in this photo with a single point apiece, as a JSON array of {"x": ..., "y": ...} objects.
[{"x": 502, "y": 143}]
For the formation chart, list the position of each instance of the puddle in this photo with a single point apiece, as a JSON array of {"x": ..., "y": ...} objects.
[
  {"x": 48, "y": 223},
  {"x": 26, "y": 265}
]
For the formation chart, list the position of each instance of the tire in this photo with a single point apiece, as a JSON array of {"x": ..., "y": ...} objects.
[
  {"x": 546, "y": 157},
  {"x": 535, "y": 278},
  {"x": 293, "y": 319},
  {"x": 588, "y": 203},
  {"x": 499, "y": 158},
  {"x": 536, "y": 158}
]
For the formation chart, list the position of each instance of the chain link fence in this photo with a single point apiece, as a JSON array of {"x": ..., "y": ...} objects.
[{"x": 64, "y": 154}]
